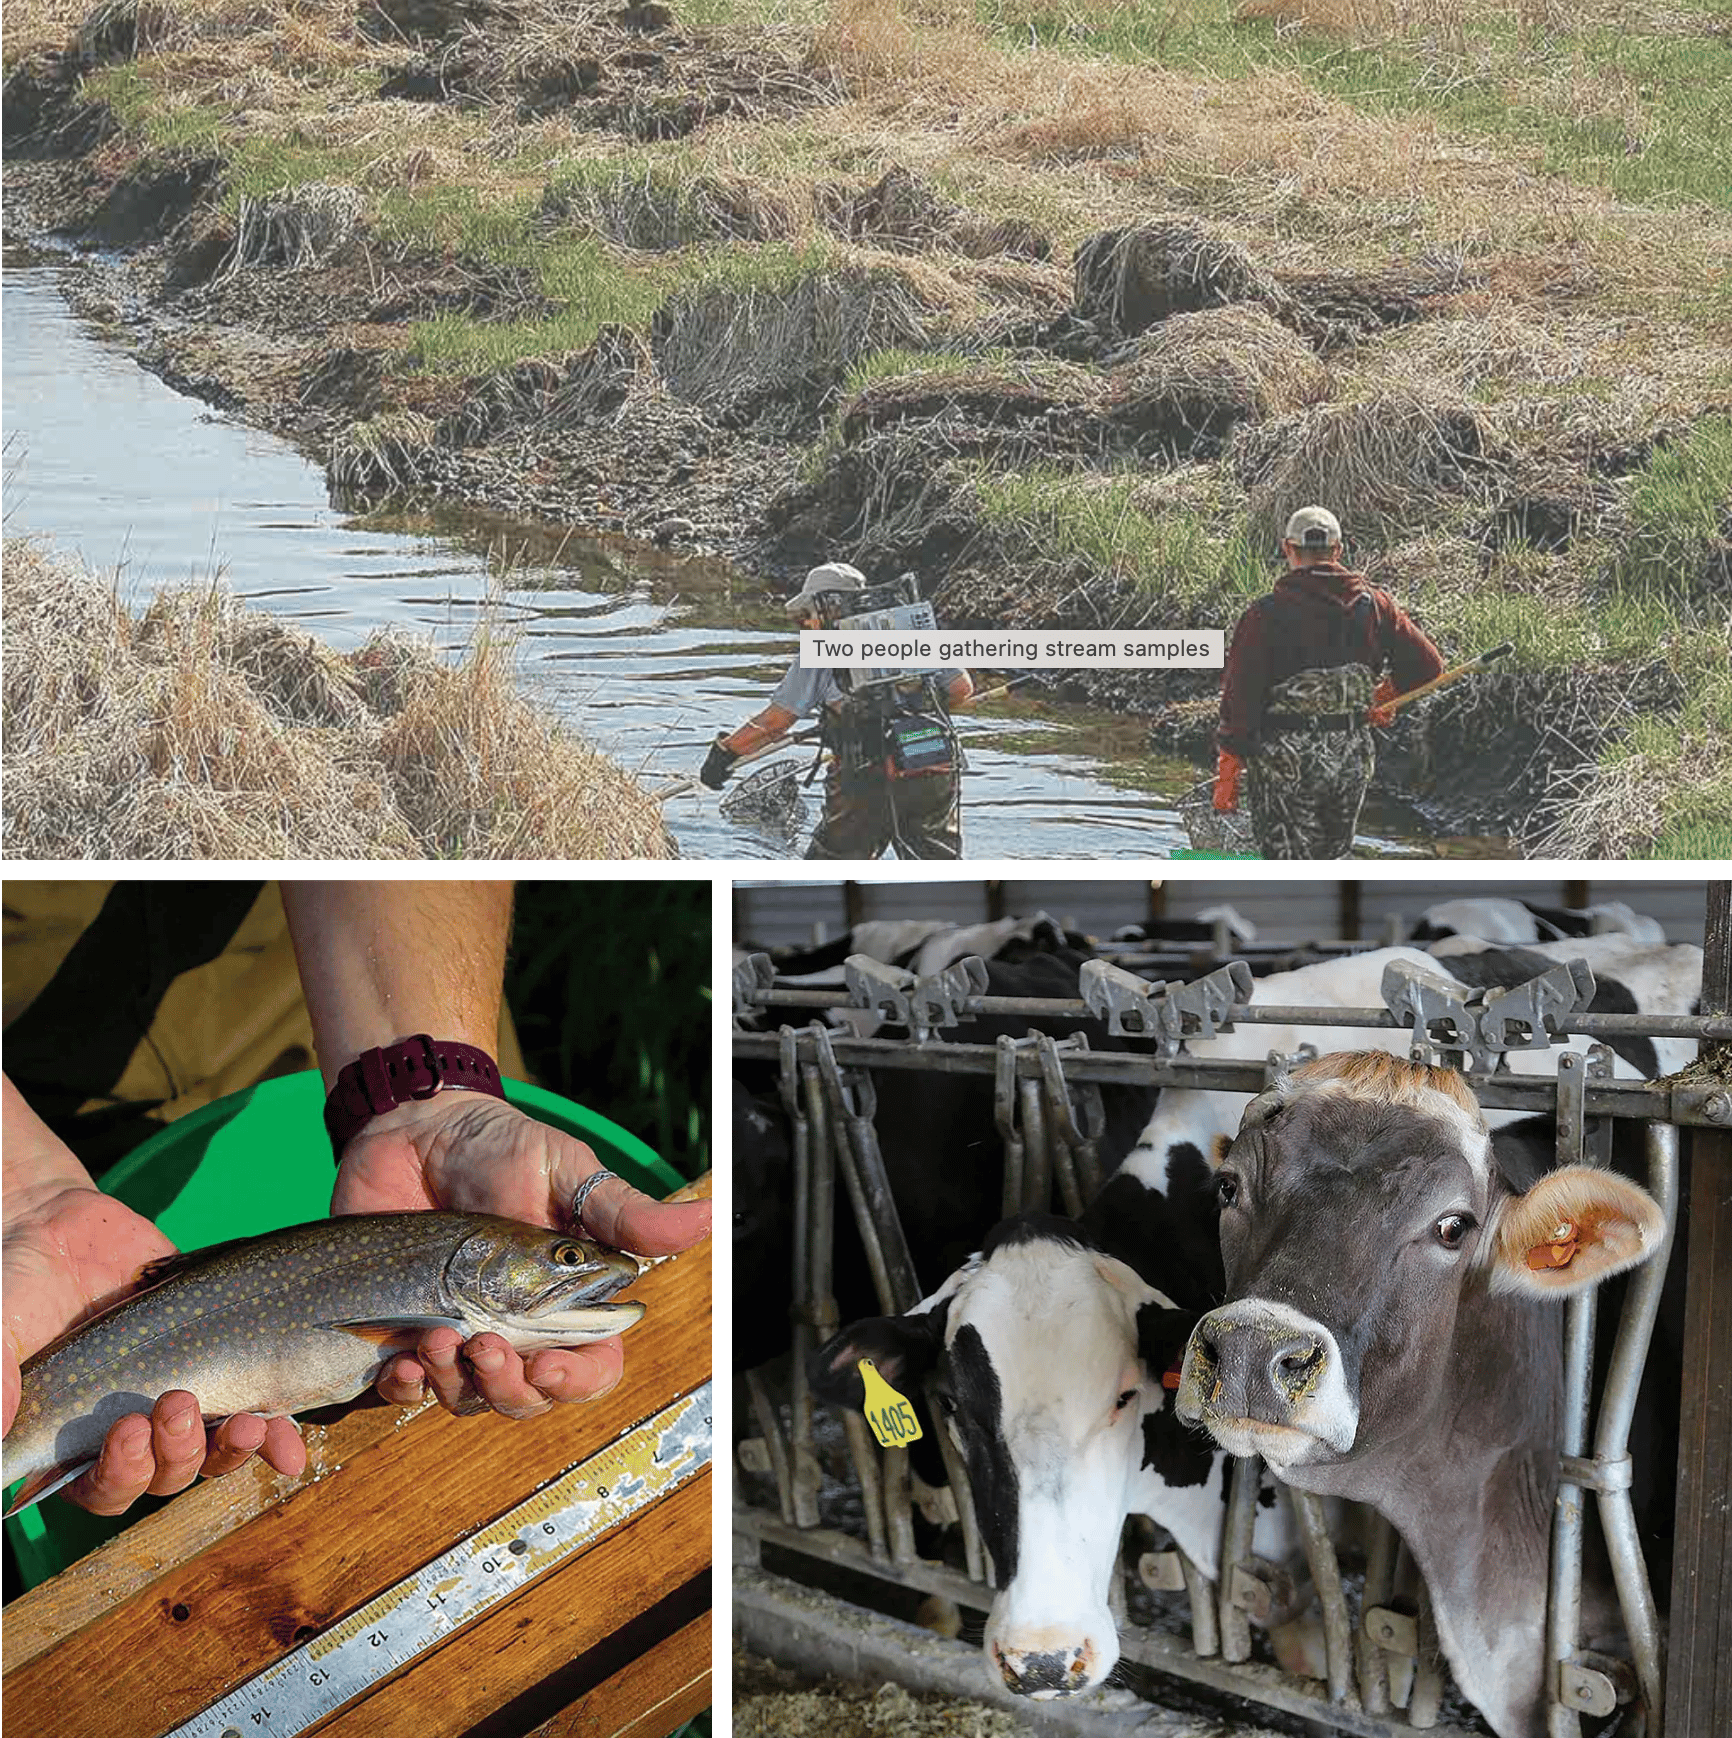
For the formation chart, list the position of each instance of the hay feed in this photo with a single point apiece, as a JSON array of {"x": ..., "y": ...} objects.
[
  {"x": 204, "y": 730},
  {"x": 1390, "y": 464},
  {"x": 1191, "y": 380},
  {"x": 1131, "y": 279}
]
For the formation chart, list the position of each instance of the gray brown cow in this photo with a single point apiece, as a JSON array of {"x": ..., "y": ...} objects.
[{"x": 1391, "y": 1335}]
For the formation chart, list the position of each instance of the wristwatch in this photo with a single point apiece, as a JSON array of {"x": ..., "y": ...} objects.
[{"x": 379, "y": 1080}]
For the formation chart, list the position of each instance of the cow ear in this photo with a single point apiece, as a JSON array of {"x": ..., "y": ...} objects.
[
  {"x": 1219, "y": 1148},
  {"x": 904, "y": 1349},
  {"x": 1573, "y": 1228},
  {"x": 1124, "y": 1278}
]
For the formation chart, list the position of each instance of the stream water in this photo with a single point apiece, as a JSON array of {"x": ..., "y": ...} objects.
[{"x": 647, "y": 654}]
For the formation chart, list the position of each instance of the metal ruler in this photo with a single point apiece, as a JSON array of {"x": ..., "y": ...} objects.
[{"x": 480, "y": 1572}]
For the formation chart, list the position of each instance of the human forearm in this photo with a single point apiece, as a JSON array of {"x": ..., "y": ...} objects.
[
  {"x": 771, "y": 723},
  {"x": 34, "y": 1163},
  {"x": 383, "y": 960}
]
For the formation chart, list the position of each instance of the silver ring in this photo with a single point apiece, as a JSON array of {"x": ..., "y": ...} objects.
[{"x": 582, "y": 1193}]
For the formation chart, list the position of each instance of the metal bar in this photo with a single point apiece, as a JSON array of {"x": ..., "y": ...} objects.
[
  {"x": 1205, "y": 1622},
  {"x": 1004, "y": 1112},
  {"x": 1036, "y": 1161},
  {"x": 1705, "y": 1027},
  {"x": 1425, "y": 1700},
  {"x": 1612, "y": 1433},
  {"x": 1689, "y": 1106},
  {"x": 864, "y": 1454},
  {"x": 807, "y": 1475},
  {"x": 1063, "y": 1134},
  {"x": 1235, "y": 1548},
  {"x": 1564, "y": 1607},
  {"x": 1326, "y": 1577},
  {"x": 898, "y": 1505},
  {"x": 1379, "y": 1587},
  {"x": 770, "y": 1428}
]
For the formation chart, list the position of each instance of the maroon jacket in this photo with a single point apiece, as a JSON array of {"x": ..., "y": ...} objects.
[{"x": 1316, "y": 618}]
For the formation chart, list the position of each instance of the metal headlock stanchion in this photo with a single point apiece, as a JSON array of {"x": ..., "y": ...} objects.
[{"x": 1048, "y": 1112}]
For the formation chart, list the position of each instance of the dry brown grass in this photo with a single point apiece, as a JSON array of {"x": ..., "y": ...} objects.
[
  {"x": 205, "y": 730},
  {"x": 1400, "y": 459},
  {"x": 1200, "y": 375}
]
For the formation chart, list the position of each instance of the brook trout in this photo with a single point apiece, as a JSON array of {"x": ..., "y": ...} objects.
[{"x": 304, "y": 1317}]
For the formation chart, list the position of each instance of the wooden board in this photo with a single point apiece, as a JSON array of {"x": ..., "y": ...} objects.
[
  {"x": 657, "y": 1692},
  {"x": 237, "y": 1572}
]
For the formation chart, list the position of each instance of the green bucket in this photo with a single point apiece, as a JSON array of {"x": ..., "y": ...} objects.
[{"x": 255, "y": 1162}]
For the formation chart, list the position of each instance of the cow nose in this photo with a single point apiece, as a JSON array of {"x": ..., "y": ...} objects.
[
  {"x": 1249, "y": 1370},
  {"x": 1058, "y": 1673}
]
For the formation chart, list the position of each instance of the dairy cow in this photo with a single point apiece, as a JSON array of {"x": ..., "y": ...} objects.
[
  {"x": 1049, "y": 1356},
  {"x": 1518, "y": 922},
  {"x": 1038, "y": 1416},
  {"x": 1391, "y": 1335}
]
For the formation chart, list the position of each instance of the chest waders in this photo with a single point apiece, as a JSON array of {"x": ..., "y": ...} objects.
[
  {"x": 891, "y": 740},
  {"x": 1309, "y": 776}
]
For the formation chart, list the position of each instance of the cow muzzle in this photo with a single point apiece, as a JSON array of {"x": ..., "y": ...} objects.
[
  {"x": 1255, "y": 1368},
  {"x": 1047, "y": 1674}
]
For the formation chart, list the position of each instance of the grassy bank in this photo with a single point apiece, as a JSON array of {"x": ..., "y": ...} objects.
[
  {"x": 1075, "y": 297},
  {"x": 201, "y": 729}
]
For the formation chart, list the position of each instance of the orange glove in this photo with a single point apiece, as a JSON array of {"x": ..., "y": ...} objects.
[
  {"x": 1227, "y": 772},
  {"x": 1382, "y": 713}
]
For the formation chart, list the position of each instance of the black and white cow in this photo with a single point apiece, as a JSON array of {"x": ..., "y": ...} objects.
[
  {"x": 1049, "y": 1356},
  {"x": 1518, "y": 922},
  {"x": 1392, "y": 1336},
  {"x": 924, "y": 946}
]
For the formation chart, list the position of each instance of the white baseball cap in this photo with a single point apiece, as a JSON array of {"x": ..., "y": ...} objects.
[
  {"x": 832, "y": 576},
  {"x": 1313, "y": 528}
]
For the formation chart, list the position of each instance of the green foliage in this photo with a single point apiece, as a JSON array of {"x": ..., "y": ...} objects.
[
  {"x": 1681, "y": 509},
  {"x": 1641, "y": 111},
  {"x": 1178, "y": 557},
  {"x": 609, "y": 983}
]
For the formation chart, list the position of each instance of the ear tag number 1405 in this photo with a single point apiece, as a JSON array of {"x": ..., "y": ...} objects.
[{"x": 890, "y": 1416}]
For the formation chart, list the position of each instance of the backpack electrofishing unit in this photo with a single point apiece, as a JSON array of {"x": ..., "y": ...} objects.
[{"x": 889, "y": 721}]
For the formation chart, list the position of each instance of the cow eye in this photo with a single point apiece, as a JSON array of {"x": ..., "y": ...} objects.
[
  {"x": 1124, "y": 1400},
  {"x": 947, "y": 1405},
  {"x": 1452, "y": 1228},
  {"x": 1226, "y": 1189}
]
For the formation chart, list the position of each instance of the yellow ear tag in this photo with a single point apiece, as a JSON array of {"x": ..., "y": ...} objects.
[{"x": 890, "y": 1416}]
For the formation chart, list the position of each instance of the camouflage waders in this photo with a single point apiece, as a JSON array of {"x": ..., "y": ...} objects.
[
  {"x": 1308, "y": 778},
  {"x": 865, "y": 814}
]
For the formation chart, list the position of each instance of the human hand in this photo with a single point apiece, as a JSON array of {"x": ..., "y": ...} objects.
[
  {"x": 1228, "y": 769},
  {"x": 68, "y": 1250},
  {"x": 473, "y": 1153},
  {"x": 718, "y": 765}
]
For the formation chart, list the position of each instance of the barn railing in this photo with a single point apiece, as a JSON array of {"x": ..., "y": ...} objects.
[{"x": 1048, "y": 1114}]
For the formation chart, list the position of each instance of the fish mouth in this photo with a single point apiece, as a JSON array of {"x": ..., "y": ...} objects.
[{"x": 588, "y": 1288}]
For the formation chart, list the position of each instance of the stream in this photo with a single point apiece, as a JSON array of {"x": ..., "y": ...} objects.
[{"x": 647, "y": 654}]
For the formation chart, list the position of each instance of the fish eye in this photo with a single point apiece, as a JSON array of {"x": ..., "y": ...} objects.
[
  {"x": 1226, "y": 1189},
  {"x": 1452, "y": 1228},
  {"x": 1124, "y": 1400},
  {"x": 568, "y": 1254}
]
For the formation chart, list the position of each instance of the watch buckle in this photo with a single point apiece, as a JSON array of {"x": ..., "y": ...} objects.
[{"x": 432, "y": 1064}]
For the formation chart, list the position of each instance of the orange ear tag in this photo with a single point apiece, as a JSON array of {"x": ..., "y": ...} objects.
[
  {"x": 1557, "y": 1251},
  {"x": 1170, "y": 1379},
  {"x": 890, "y": 1416}
]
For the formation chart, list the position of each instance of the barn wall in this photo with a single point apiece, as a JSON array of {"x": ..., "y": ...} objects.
[{"x": 1297, "y": 910}]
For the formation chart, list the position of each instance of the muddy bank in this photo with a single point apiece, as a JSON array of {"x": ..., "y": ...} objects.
[
  {"x": 201, "y": 729},
  {"x": 909, "y": 383}
]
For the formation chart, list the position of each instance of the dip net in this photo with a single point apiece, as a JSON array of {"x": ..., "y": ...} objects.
[
  {"x": 1230, "y": 834},
  {"x": 770, "y": 800}
]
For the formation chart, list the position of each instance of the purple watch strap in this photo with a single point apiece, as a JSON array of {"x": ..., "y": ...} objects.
[{"x": 378, "y": 1080}]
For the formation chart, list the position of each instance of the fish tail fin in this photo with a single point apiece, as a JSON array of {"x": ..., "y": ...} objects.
[{"x": 45, "y": 1483}]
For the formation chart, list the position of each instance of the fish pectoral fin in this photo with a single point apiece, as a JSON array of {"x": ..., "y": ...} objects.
[
  {"x": 46, "y": 1483},
  {"x": 400, "y": 1333}
]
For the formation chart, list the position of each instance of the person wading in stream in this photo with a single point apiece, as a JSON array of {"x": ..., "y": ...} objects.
[
  {"x": 1301, "y": 691},
  {"x": 895, "y": 774}
]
